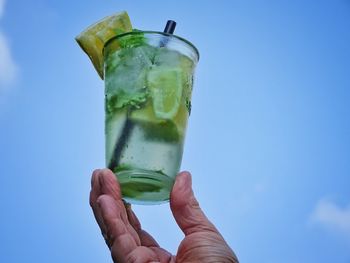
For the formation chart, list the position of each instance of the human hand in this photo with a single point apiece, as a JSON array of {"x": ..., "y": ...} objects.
[{"x": 129, "y": 243}]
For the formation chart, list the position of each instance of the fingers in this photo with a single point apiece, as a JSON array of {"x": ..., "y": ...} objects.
[
  {"x": 94, "y": 194},
  {"x": 185, "y": 207},
  {"x": 123, "y": 246},
  {"x": 108, "y": 184},
  {"x": 146, "y": 239},
  {"x": 116, "y": 230},
  {"x": 105, "y": 183},
  {"x": 119, "y": 224}
]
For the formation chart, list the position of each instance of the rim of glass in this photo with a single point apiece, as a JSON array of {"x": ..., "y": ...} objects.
[{"x": 156, "y": 33}]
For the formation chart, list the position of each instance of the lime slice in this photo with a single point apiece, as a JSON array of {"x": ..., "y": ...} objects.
[
  {"x": 92, "y": 39},
  {"x": 145, "y": 114},
  {"x": 159, "y": 129},
  {"x": 165, "y": 85}
]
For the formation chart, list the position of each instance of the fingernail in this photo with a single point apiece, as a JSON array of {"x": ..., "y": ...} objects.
[{"x": 100, "y": 203}]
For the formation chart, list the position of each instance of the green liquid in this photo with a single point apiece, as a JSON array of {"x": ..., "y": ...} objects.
[{"x": 148, "y": 92}]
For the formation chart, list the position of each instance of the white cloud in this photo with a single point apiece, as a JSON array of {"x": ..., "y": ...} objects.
[
  {"x": 332, "y": 216},
  {"x": 8, "y": 67}
]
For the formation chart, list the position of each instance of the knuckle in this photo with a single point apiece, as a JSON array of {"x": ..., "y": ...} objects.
[{"x": 102, "y": 197}]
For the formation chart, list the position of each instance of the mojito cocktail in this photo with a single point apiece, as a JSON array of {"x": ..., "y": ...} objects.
[{"x": 148, "y": 86}]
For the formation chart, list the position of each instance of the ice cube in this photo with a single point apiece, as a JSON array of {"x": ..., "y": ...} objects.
[{"x": 125, "y": 79}]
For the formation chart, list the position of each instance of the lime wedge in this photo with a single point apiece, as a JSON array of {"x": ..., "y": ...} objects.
[
  {"x": 159, "y": 129},
  {"x": 145, "y": 114},
  {"x": 92, "y": 39},
  {"x": 165, "y": 85}
]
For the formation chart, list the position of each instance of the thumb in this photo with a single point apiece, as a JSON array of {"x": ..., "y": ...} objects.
[{"x": 185, "y": 207}]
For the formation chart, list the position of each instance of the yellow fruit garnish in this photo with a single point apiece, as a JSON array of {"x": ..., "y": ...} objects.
[{"x": 93, "y": 39}]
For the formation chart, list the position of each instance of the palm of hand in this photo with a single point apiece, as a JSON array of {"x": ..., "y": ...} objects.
[{"x": 129, "y": 243}]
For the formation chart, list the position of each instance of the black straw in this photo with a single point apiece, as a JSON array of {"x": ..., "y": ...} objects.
[
  {"x": 170, "y": 27},
  {"x": 121, "y": 143}
]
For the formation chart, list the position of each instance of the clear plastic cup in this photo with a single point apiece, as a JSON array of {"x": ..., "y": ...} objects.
[{"x": 148, "y": 86}]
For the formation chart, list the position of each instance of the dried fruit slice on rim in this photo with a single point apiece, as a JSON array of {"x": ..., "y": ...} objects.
[{"x": 92, "y": 39}]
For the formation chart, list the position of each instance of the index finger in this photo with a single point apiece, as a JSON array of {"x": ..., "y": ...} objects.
[
  {"x": 124, "y": 247},
  {"x": 103, "y": 181}
]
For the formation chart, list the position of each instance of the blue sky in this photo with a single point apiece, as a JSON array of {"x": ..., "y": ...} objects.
[{"x": 268, "y": 142}]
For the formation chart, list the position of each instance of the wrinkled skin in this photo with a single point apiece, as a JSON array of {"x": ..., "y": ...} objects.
[{"x": 129, "y": 243}]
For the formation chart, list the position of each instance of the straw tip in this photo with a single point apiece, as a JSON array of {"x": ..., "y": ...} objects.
[{"x": 170, "y": 27}]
